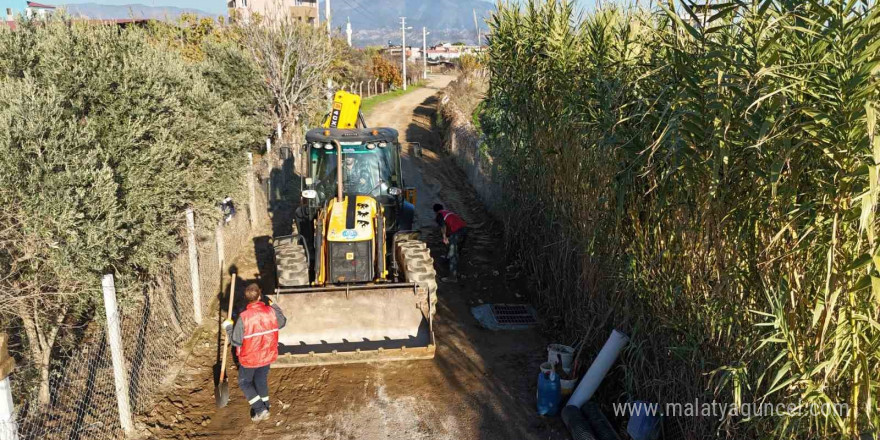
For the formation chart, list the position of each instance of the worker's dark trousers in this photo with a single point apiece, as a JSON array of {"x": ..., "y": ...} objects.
[
  {"x": 255, "y": 384},
  {"x": 456, "y": 242}
]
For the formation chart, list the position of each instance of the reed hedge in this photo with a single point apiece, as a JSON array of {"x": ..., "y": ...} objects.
[{"x": 706, "y": 179}]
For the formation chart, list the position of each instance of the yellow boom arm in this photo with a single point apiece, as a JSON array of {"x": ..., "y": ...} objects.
[{"x": 346, "y": 107}]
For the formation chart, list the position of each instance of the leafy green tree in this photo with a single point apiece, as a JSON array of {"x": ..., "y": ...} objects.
[
  {"x": 107, "y": 138},
  {"x": 187, "y": 35},
  {"x": 351, "y": 65},
  {"x": 386, "y": 71}
]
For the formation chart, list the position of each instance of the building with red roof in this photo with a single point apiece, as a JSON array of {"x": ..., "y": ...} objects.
[{"x": 35, "y": 9}]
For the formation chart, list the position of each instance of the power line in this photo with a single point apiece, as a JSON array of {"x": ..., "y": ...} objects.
[{"x": 360, "y": 9}]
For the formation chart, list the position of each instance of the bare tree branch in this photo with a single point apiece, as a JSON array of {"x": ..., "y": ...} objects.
[{"x": 295, "y": 59}]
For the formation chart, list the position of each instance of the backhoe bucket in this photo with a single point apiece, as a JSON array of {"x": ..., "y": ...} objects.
[{"x": 353, "y": 324}]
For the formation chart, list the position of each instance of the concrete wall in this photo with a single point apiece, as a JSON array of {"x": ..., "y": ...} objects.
[{"x": 463, "y": 141}]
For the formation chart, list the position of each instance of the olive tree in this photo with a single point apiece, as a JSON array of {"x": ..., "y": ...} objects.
[{"x": 107, "y": 137}]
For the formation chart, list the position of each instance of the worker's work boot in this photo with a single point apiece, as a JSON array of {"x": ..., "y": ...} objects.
[{"x": 262, "y": 415}]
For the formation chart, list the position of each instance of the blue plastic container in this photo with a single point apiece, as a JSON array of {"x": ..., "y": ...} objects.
[
  {"x": 644, "y": 421},
  {"x": 549, "y": 393}
]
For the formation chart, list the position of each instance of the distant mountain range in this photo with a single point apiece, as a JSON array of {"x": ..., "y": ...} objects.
[
  {"x": 375, "y": 22},
  {"x": 435, "y": 14},
  {"x": 99, "y": 11}
]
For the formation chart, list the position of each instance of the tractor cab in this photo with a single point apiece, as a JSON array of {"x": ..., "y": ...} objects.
[{"x": 370, "y": 166}]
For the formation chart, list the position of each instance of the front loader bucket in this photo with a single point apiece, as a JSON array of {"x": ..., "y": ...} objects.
[{"x": 352, "y": 324}]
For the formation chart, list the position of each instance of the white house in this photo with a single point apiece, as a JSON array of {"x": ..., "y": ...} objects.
[
  {"x": 35, "y": 9},
  {"x": 302, "y": 10}
]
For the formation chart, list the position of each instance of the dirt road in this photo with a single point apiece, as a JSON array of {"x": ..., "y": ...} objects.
[{"x": 481, "y": 385}]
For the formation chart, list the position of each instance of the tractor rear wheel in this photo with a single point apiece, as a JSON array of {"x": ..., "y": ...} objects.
[
  {"x": 291, "y": 263},
  {"x": 418, "y": 267}
]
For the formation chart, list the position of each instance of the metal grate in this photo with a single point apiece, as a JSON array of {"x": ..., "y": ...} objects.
[{"x": 513, "y": 314}]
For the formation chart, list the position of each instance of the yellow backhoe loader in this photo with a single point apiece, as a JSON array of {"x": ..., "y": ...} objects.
[{"x": 354, "y": 280}]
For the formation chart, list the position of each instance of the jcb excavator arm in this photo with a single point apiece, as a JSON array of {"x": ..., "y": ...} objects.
[{"x": 346, "y": 111}]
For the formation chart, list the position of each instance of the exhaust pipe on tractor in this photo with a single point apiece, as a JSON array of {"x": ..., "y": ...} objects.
[{"x": 338, "y": 171}]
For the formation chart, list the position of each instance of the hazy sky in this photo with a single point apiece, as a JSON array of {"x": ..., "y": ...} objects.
[{"x": 213, "y": 6}]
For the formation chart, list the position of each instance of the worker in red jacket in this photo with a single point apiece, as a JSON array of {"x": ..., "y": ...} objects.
[
  {"x": 454, "y": 231},
  {"x": 255, "y": 336}
]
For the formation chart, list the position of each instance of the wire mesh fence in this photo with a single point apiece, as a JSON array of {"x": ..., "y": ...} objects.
[{"x": 157, "y": 320}]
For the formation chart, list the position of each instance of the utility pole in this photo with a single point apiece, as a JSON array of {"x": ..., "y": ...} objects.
[
  {"x": 317, "y": 15},
  {"x": 479, "y": 34},
  {"x": 403, "y": 48},
  {"x": 327, "y": 18},
  {"x": 348, "y": 31},
  {"x": 424, "y": 53}
]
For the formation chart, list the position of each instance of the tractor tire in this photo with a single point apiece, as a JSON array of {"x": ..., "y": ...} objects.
[
  {"x": 410, "y": 244},
  {"x": 291, "y": 264},
  {"x": 418, "y": 267},
  {"x": 402, "y": 236}
]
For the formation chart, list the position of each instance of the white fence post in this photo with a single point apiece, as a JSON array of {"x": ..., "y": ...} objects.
[
  {"x": 221, "y": 245},
  {"x": 115, "y": 339},
  {"x": 268, "y": 146},
  {"x": 279, "y": 131},
  {"x": 194, "y": 265},
  {"x": 252, "y": 190},
  {"x": 8, "y": 427}
]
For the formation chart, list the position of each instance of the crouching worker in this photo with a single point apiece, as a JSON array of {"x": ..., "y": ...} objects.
[
  {"x": 255, "y": 337},
  {"x": 454, "y": 231}
]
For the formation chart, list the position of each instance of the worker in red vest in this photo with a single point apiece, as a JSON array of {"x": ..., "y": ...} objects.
[
  {"x": 255, "y": 336},
  {"x": 454, "y": 231}
]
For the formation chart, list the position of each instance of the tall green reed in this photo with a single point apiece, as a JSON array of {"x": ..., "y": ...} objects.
[{"x": 704, "y": 177}]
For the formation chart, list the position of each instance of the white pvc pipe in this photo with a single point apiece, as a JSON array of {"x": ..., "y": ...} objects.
[{"x": 603, "y": 362}]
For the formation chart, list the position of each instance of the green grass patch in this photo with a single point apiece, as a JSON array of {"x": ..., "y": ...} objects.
[{"x": 368, "y": 104}]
